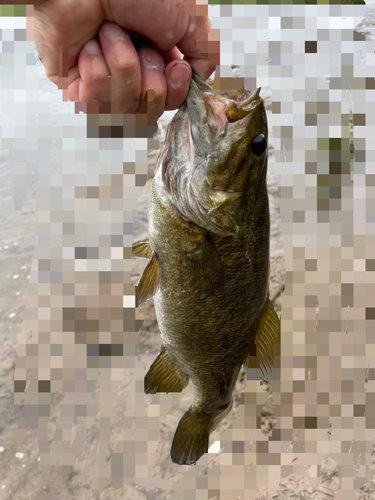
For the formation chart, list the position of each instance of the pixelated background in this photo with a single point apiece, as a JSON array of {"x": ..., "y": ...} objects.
[{"x": 72, "y": 201}]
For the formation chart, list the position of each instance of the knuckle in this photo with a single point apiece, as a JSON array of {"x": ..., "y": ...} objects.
[
  {"x": 128, "y": 105},
  {"x": 159, "y": 97},
  {"x": 99, "y": 75},
  {"x": 131, "y": 106},
  {"x": 126, "y": 97},
  {"x": 89, "y": 93},
  {"x": 52, "y": 76},
  {"x": 127, "y": 66},
  {"x": 154, "y": 103}
]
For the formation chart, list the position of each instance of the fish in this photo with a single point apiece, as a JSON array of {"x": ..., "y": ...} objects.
[{"x": 208, "y": 251}]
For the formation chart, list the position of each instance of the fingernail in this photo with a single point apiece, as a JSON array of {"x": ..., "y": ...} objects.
[
  {"x": 113, "y": 32},
  {"x": 150, "y": 59},
  {"x": 92, "y": 47},
  {"x": 180, "y": 76}
]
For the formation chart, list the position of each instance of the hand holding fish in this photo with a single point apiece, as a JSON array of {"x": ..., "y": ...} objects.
[{"x": 111, "y": 53}]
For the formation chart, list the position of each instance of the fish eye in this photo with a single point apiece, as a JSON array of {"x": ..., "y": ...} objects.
[{"x": 259, "y": 145}]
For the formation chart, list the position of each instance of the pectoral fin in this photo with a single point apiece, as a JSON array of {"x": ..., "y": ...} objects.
[
  {"x": 206, "y": 264},
  {"x": 149, "y": 281},
  {"x": 142, "y": 248},
  {"x": 163, "y": 376},
  {"x": 266, "y": 339}
]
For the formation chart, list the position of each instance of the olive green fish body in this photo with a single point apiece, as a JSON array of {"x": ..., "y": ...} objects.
[
  {"x": 209, "y": 257},
  {"x": 207, "y": 329}
]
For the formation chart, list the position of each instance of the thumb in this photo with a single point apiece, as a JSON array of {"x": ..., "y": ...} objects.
[{"x": 201, "y": 46}]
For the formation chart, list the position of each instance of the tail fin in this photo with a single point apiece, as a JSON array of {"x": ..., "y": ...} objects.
[
  {"x": 192, "y": 435},
  {"x": 191, "y": 439}
]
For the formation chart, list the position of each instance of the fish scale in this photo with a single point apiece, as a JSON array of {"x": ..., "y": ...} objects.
[{"x": 208, "y": 247}]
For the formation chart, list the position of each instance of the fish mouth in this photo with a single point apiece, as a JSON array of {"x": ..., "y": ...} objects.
[
  {"x": 216, "y": 124},
  {"x": 224, "y": 110},
  {"x": 238, "y": 110}
]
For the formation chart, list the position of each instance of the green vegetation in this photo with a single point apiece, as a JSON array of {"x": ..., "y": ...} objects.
[
  {"x": 286, "y": 2},
  {"x": 12, "y": 10}
]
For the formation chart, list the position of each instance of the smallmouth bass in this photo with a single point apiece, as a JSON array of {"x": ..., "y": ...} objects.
[{"x": 208, "y": 247}]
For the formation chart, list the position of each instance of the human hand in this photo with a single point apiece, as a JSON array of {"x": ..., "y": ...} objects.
[{"x": 87, "y": 49}]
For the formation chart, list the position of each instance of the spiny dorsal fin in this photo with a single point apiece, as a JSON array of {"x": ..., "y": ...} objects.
[
  {"x": 149, "y": 281},
  {"x": 163, "y": 376},
  {"x": 266, "y": 339},
  {"x": 142, "y": 248},
  {"x": 206, "y": 264}
]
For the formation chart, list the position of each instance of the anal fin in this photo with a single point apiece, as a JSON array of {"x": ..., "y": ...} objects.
[
  {"x": 163, "y": 376},
  {"x": 206, "y": 264},
  {"x": 142, "y": 248},
  {"x": 149, "y": 281},
  {"x": 266, "y": 339}
]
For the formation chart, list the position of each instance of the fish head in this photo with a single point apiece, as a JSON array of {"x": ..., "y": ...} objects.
[{"x": 215, "y": 156}]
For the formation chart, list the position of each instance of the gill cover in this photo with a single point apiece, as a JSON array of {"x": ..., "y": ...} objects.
[{"x": 207, "y": 162}]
